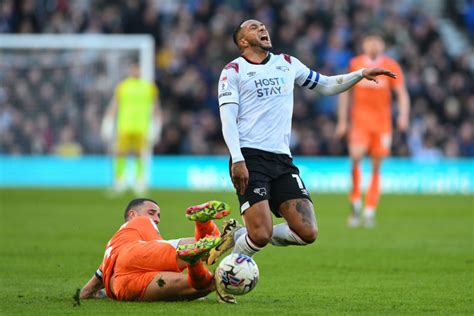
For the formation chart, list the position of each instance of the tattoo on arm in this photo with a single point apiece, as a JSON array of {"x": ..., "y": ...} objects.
[{"x": 161, "y": 282}]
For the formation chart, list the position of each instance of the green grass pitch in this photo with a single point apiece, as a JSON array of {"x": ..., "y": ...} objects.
[{"x": 419, "y": 259}]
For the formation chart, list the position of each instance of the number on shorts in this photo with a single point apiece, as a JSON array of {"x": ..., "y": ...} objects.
[{"x": 298, "y": 180}]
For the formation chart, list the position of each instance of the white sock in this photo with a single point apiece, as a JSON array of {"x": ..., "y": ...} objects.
[
  {"x": 284, "y": 236},
  {"x": 239, "y": 232},
  {"x": 357, "y": 206},
  {"x": 369, "y": 212},
  {"x": 244, "y": 245}
]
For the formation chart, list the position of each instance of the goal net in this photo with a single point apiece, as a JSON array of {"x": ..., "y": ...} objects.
[{"x": 54, "y": 89}]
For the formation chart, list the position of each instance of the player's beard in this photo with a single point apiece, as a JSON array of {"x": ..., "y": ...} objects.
[
  {"x": 262, "y": 46},
  {"x": 266, "y": 48}
]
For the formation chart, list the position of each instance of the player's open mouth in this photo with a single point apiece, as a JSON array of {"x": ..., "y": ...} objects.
[{"x": 265, "y": 38}]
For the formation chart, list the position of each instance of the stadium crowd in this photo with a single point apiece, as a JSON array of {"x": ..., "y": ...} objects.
[{"x": 194, "y": 42}]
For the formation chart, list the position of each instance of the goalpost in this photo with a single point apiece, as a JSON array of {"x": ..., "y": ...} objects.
[
  {"x": 144, "y": 45},
  {"x": 63, "y": 83}
]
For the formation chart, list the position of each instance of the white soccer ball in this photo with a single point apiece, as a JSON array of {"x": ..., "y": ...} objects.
[{"x": 237, "y": 273}]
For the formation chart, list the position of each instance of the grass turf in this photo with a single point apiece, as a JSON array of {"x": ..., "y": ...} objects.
[{"x": 419, "y": 259}]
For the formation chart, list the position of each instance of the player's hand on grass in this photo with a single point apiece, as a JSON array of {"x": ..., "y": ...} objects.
[
  {"x": 372, "y": 73},
  {"x": 240, "y": 176}
]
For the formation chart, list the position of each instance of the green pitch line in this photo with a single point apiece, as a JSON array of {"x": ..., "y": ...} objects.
[{"x": 419, "y": 259}]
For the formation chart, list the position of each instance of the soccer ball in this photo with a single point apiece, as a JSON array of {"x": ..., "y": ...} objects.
[{"x": 237, "y": 273}]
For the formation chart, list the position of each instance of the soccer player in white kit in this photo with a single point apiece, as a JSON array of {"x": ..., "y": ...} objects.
[{"x": 256, "y": 106}]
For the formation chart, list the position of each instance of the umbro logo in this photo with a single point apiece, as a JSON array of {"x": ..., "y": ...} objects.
[
  {"x": 283, "y": 68},
  {"x": 260, "y": 191},
  {"x": 251, "y": 73}
]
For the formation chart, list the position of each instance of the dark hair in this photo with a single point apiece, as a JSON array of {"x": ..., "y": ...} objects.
[
  {"x": 375, "y": 33},
  {"x": 236, "y": 32},
  {"x": 134, "y": 203}
]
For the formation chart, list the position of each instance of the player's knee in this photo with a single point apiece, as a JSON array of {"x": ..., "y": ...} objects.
[
  {"x": 309, "y": 234},
  {"x": 313, "y": 234},
  {"x": 261, "y": 237}
]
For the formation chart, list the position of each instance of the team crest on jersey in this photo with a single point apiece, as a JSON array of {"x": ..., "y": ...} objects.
[{"x": 283, "y": 68}]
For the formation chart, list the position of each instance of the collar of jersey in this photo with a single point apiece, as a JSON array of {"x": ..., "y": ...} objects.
[{"x": 254, "y": 63}]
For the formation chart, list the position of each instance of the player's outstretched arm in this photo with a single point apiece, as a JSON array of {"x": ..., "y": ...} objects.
[
  {"x": 331, "y": 85},
  {"x": 92, "y": 288},
  {"x": 372, "y": 73}
]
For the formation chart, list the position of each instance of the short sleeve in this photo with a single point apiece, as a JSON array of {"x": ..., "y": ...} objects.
[
  {"x": 304, "y": 76},
  {"x": 228, "y": 89}
]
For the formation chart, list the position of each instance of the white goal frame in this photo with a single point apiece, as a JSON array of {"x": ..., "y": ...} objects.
[{"x": 144, "y": 44}]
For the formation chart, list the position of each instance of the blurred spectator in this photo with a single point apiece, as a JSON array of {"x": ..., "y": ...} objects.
[
  {"x": 67, "y": 146},
  {"x": 193, "y": 42}
]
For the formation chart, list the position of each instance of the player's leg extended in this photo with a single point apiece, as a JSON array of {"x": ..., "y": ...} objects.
[
  {"x": 199, "y": 277},
  {"x": 140, "y": 262},
  {"x": 259, "y": 229},
  {"x": 173, "y": 286},
  {"x": 301, "y": 227},
  {"x": 254, "y": 207},
  {"x": 207, "y": 211},
  {"x": 203, "y": 229},
  {"x": 194, "y": 252},
  {"x": 203, "y": 214}
]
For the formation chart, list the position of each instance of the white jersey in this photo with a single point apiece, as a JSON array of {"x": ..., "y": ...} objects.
[{"x": 264, "y": 94}]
